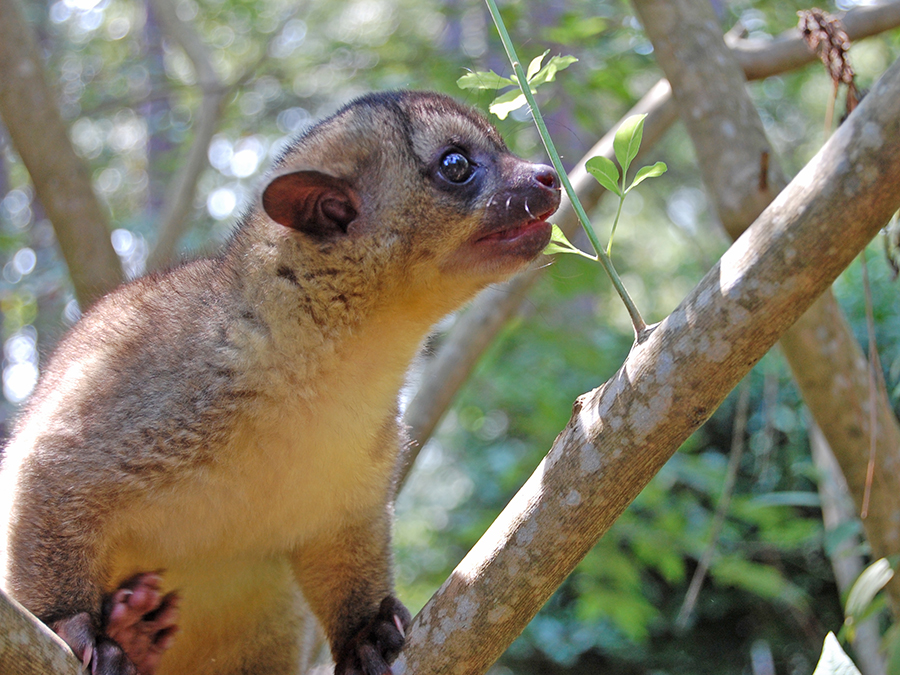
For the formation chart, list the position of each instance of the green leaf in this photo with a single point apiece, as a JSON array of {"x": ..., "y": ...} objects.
[
  {"x": 558, "y": 236},
  {"x": 866, "y": 587},
  {"x": 548, "y": 72},
  {"x": 505, "y": 104},
  {"x": 513, "y": 100},
  {"x": 558, "y": 241},
  {"x": 535, "y": 65},
  {"x": 646, "y": 172},
  {"x": 606, "y": 173},
  {"x": 560, "y": 244},
  {"x": 484, "y": 80},
  {"x": 628, "y": 140},
  {"x": 834, "y": 661},
  {"x": 553, "y": 247}
]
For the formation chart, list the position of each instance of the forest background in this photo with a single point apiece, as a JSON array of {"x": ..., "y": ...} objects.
[{"x": 178, "y": 107}]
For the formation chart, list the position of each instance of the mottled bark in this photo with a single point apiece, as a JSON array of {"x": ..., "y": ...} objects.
[
  {"x": 833, "y": 375},
  {"x": 28, "y": 647},
  {"x": 735, "y": 157}
]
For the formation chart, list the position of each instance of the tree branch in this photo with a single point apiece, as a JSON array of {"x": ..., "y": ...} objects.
[
  {"x": 622, "y": 433},
  {"x": 28, "y": 647},
  {"x": 846, "y": 561},
  {"x": 180, "y": 197},
  {"x": 61, "y": 179},
  {"x": 763, "y": 58},
  {"x": 735, "y": 158},
  {"x": 214, "y": 92},
  {"x": 832, "y": 374}
]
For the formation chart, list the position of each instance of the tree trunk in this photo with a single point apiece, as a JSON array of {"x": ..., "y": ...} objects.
[
  {"x": 846, "y": 559},
  {"x": 61, "y": 180},
  {"x": 180, "y": 195}
]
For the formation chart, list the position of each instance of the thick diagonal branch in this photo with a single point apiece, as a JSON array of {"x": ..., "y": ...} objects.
[{"x": 28, "y": 647}]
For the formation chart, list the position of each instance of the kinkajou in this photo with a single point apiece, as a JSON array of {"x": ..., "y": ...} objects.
[{"x": 210, "y": 442}]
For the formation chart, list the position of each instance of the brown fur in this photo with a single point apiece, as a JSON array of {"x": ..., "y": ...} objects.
[{"x": 233, "y": 422}]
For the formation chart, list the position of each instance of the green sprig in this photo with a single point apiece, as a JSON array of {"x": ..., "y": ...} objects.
[
  {"x": 526, "y": 90},
  {"x": 627, "y": 144}
]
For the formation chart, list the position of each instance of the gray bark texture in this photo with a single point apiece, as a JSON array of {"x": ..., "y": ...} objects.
[{"x": 28, "y": 647}]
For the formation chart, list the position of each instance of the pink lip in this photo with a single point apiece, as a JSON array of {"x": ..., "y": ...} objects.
[{"x": 515, "y": 232}]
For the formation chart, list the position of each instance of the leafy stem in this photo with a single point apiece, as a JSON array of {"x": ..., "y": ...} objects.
[
  {"x": 601, "y": 256},
  {"x": 626, "y": 145},
  {"x": 615, "y": 224}
]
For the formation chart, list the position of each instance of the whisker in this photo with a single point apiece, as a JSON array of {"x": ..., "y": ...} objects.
[{"x": 528, "y": 211}]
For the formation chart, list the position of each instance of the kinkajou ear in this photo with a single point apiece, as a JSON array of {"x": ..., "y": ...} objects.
[{"x": 311, "y": 202}]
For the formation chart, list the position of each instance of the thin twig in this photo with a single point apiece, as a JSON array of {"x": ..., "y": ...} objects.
[
  {"x": 874, "y": 381},
  {"x": 215, "y": 93},
  {"x": 734, "y": 462}
]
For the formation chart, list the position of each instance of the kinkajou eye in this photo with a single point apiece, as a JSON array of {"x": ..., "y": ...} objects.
[{"x": 456, "y": 167}]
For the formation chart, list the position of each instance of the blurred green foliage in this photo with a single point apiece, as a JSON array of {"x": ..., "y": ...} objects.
[{"x": 130, "y": 97}]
